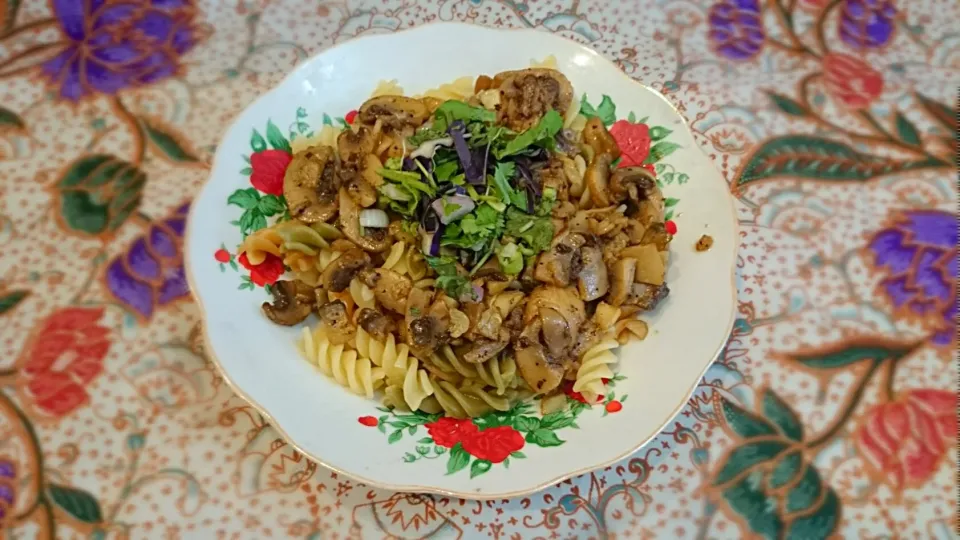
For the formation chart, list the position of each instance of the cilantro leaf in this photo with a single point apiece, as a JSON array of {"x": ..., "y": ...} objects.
[
  {"x": 501, "y": 177},
  {"x": 445, "y": 171},
  {"x": 536, "y": 232},
  {"x": 541, "y": 134},
  {"x": 448, "y": 278},
  {"x": 452, "y": 110}
]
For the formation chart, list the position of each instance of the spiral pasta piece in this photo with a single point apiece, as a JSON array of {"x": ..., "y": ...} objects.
[
  {"x": 300, "y": 237},
  {"x": 258, "y": 244},
  {"x": 407, "y": 384},
  {"x": 405, "y": 260},
  {"x": 361, "y": 294},
  {"x": 387, "y": 88},
  {"x": 460, "y": 89},
  {"x": 325, "y": 257},
  {"x": 594, "y": 367},
  {"x": 359, "y": 375},
  {"x": 467, "y": 401}
]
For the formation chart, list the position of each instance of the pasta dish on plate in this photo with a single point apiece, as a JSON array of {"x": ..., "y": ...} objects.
[{"x": 468, "y": 248}]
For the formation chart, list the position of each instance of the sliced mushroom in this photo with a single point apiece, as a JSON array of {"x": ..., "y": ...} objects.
[
  {"x": 375, "y": 240},
  {"x": 390, "y": 288},
  {"x": 564, "y": 300},
  {"x": 395, "y": 112},
  {"x": 489, "y": 324},
  {"x": 527, "y": 94},
  {"x": 557, "y": 334},
  {"x": 623, "y": 272},
  {"x": 541, "y": 373},
  {"x": 375, "y": 323},
  {"x": 592, "y": 279},
  {"x": 657, "y": 234},
  {"x": 481, "y": 350},
  {"x": 423, "y": 335},
  {"x": 556, "y": 266},
  {"x": 646, "y": 296},
  {"x": 337, "y": 275},
  {"x": 596, "y": 177},
  {"x": 635, "y": 183},
  {"x": 336, "y": 321},
  {"x": 310, "y": 185},
  {"x": 292, "y": 302},
  {"x": 353, "y": 146},
  {"x": 596, "y": 136}
]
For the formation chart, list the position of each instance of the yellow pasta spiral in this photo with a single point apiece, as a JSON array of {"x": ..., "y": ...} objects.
[
  {"x": 359, "y": 375},
  {"x": 259, "y": 244},
  {"x": 594, "y": 367}
]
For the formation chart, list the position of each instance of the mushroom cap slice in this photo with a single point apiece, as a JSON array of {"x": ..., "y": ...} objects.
[
  {"x": 293, "y": 300},
  {"x": 378, "y": 240},
  {"x": 394, "y": 112},
  {"x": 623, "y": 271},
  {"x": 592, "y": 279},
  {"x": 598, "y": 138},
  {"x": 337, "y": 275},
  {"x": 597, "y": 177},
  {"x": 309, "y": 184},
  {"x": 527, "y": 94},
  {"x": 390, "y": 288}
]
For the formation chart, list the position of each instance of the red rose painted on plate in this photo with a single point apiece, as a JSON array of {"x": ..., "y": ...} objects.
[
  {"x": 269, "y": 167},
  {"x": 904, "y": 441},
  {"x": 447, "y": 432},
  {"x": 851, "y": 81},
  {"x": 265, "y": 273},
  {"x": 493, "y": 444},
  {"x": 633, "y": 140},
  {"x": 65, "y": 356}
]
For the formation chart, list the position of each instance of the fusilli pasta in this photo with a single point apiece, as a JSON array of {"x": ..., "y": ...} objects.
[
  {"x": 259, "y": 244},
  {"x": 359, "y": 375},
  {"x": 387, "y": 88},
  {"x": 594, "y": 367},
  {"x": 461, "y": 89}
]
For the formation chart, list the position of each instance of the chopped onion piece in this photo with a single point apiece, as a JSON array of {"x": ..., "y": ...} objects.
[
  {"x": 453, "y": 208},
  {"x": 374, "y": 218}
]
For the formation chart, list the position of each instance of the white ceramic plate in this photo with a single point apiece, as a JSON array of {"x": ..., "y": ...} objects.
[{"x": 348, "y": 433}]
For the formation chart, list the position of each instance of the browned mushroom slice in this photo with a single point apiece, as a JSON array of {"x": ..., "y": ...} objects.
[
  {"x": 481, "y": 350},
  {"x": 527, "y": 94},
  {"x": 394, "y": 112},
  {"x": 390, "y": 288},
  {"x": 564, "y": 300},
  {"x": 556, "y": 266},
  {"x": 657, "y": 234},
  {"x": 541, "y": 373},
  {"x": 375, "y": 240},
  {"x": 592, "y": 279},
  {"x": 646, "y": 296},
  {"x": 334, "y": 317},
  {"x": 375, "y": 323},
  {"x": 353, "y": 146},
  {"x": 337, "y": 275},
  {"x": 557, "y": 334},
  {"x": 310, "y": 185},
  {"x": 597, "y": 177},
  {"x": 596, "y": 136},
  {"x": 623, "y": 272},
  {"x": 292, "y": 302}
]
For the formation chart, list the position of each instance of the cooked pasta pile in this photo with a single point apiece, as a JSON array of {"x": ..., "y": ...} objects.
[{"x": 467, "y": 248}]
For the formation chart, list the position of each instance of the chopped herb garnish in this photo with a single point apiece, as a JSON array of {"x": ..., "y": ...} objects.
[
  {"x": 536, "y": 232},
  {"x": 541, "y": 134}
]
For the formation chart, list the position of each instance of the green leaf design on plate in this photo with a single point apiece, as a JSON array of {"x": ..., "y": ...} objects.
[
  {"x": 787, "y": 105},
  {"x": 845, "y": 354},
  {"x": 906, "y": 130},
  {"x": 244, "y": 198},
  {"x": 276, "y": 138},
  {"x": 660, "y": 150},
  {"x": 257, "y": 142},
  {"x": 270, "y": 205},
  {"x": 544, "y": 438},
  {"x": 659, "y": 132},
  {"x": 479, "y": 467},
  {"x": 459, "y": 459},
  {"x": 807, "y": 156},
  {"x": 167, "y": 144},
  {"x": 395, "y": 436},
  {"x": 782, "y": 416},
  {"x": 10, "y": 300},
  {"x": 80, "y": 504},
  {"x": 526, "y": 423}
]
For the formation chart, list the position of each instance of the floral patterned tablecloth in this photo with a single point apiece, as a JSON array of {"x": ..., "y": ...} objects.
[{"x": 831, "y": 413}]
